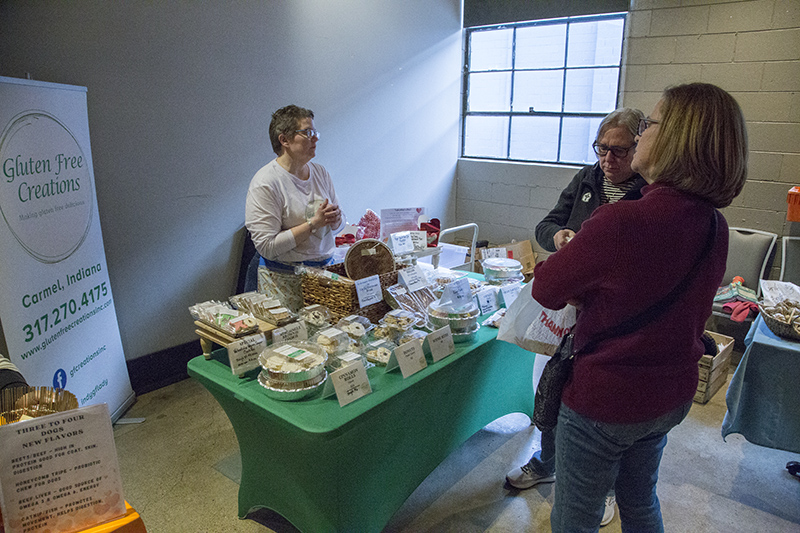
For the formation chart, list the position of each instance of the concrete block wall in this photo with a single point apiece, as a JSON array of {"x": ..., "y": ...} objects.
[{"x": 749, "y": 48}]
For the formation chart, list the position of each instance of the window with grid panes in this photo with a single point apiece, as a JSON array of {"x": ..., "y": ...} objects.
[{"x": 537, "y": 91}]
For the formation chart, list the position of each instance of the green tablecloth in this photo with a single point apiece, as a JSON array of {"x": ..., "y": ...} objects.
[{"x": 330, "y": 468}]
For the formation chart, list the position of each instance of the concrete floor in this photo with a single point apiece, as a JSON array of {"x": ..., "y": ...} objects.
[{"x": 180, "y": 469}]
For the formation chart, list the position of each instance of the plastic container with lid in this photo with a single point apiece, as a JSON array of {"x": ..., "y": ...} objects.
[
  {"x": 462, "y": 321},
  {"x": 291, "y": 371},
  {"x": 499, "y": 270}
]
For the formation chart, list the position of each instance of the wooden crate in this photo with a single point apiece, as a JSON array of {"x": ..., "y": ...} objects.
[{"x": 714, "y": 369}]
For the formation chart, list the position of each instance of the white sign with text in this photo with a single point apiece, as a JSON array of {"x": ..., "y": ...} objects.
[
  {"x": 369, "y": 291},
  {"x": 60, "y": 472},
  {"x": 243, "y": 353}
]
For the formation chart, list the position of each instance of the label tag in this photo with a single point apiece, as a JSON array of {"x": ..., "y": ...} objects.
[
  {"x": 296, "y": 331},
  {"x": 487, "y": 253},
  {"x": 420, "y": 240},
  {"x": 440, "y": 343},
  {"x": 349, "y": 383},
  {"x": 487, "y": 300},
  {"x": 243, "y": 353},
  {"x": 369, "y": 290},
  {"x": 401, "y": 242},
  {"x": 510, "y": 292},
  {"x": 409, "y": 357},
  {"x": 413, "y": 278},
  {"x": 457, "y": 293}
]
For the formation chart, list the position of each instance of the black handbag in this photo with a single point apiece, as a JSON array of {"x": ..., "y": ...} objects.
[
  {"x": 547, "y": 401},
  {"x": 557, "y": 371}
]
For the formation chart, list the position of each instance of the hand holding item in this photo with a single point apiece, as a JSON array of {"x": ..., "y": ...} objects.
[{"x": 562, "y": 237}]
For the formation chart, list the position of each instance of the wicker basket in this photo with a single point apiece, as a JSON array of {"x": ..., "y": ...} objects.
[
  {"x": 340, "y": 295},
  {"x": 781, "y": 329}
]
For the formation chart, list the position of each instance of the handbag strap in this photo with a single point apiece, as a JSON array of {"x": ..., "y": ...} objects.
[{"x": 661, "y": 306}]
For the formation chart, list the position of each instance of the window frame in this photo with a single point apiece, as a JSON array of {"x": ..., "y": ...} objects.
[{"x": 510, "y": 113}]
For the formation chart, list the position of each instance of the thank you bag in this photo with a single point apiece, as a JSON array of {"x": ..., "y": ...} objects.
[
  {"x": 557, "y": 371},
  {"x": 533, "y": 327}
]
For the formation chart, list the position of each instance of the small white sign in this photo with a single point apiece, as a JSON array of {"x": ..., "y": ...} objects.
[
  {"x": 369, "y": 291},
  {"x": 420, "y": 240},
  {"x": 410, "y": 358},
  {"x": 413, "y": 278},
  {"x": 440, "y": 343},
  {"x": 457, "y": 293},
  {"x": 349, "y": 383},
  {"x": 487, "y": 253},
  {"x": 296, "y": 331},
  {"x": 510, "y": 292},
  {"x": 60, "y": 472},
  {"x": 401, "y": 242},
  {"x": 487, "y": 300},
  {"x": 243, "y": 353}
]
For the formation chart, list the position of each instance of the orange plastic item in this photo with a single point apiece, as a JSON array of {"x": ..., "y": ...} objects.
[
  {"x": 793, "y": 211},
  {"x": 131, "y": 522}
]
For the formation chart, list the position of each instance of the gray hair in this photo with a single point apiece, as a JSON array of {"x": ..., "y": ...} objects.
[{"x": 625, "y": 117}]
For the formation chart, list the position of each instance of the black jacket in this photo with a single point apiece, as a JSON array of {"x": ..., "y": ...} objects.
[{"x": 577, "y": 202}]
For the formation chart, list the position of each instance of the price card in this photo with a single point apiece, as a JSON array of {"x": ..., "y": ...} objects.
[
  {"x": 243, "y": 353},
  {"x": 487, "y": 300},
  {"x": 369, "y": 291},
  {"x": 510, "y": 292},
  {"x": 457, "y": 293},
  {"x": 296, "y": 331},
  {"x": 409, "y": 357},
  {"x": 486, "y": 253},
  {"x": 413, "y": 278},
  {"x": 401, "y": 242},
  {"x": 60, "y": 472},
  {"x": 420, "y": 240},
  {"x": 349, "y": 383},
  {"x": 440, "y": 343}
]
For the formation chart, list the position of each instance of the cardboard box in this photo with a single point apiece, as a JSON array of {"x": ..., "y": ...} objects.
[
  {"x": 522, "y": 251},
  {"x": 714, "y": 369}
]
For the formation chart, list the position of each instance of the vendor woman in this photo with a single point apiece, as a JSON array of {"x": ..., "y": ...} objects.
[{"x": 292, "y": 212}]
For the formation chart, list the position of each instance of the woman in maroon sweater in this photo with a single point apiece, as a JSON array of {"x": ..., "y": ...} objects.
[{"x": 628, "y": 391}]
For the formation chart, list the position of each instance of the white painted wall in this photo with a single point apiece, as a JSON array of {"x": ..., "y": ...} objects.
[{"x": 180, "y": 96}]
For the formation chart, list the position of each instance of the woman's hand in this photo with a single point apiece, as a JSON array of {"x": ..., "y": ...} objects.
[
  {"x": 330, "y": 213},
  {"x": 562, "y": 237}
]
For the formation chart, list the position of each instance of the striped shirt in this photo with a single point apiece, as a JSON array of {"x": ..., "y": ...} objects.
[{"x": 611, "y": 193}]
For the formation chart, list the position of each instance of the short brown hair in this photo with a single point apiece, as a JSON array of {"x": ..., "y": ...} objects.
[
  {"x": 625, "y": 117},
  {"x": 701, "y": 144},
  {"x": 285, "y": 121}
]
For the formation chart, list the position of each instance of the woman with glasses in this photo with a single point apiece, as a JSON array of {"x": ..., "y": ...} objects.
[
  {"x": 292, "y": 212},
  {"x": 644, "y": 275},
  {"x": 608, "y": 180}
]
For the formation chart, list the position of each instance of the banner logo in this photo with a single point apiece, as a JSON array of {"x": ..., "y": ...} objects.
[{"x": 46, "y": 196}]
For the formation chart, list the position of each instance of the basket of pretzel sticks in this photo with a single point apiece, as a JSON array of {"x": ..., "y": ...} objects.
[
  {"x": 783, "y": 318},
  {"x": 333, "y": 289}
]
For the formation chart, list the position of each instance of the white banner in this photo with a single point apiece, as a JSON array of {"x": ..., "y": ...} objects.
[{"x": 56, "y": 306}]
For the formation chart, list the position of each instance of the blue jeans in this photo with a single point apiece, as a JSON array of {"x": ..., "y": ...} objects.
[
  {"x": 543, "y": 461},
  {"x": 590, "y": 455}
]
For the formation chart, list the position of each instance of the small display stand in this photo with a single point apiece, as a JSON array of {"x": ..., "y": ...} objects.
[{"x": 209, "y": 335}]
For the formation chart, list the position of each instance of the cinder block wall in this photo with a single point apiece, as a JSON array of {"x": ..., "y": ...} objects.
[{"x": 749, "y": 48}]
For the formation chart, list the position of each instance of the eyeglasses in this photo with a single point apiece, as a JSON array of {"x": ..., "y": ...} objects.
[
  {"x": 309, "y": 133},
  {"x": 618, "y": 151},
  {"x": 644, "y": 123}
]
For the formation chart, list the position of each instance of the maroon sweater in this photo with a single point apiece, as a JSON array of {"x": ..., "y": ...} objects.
[{"x": 626, "y": 257}]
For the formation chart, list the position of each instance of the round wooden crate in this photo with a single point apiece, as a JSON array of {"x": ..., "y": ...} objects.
[{"x": 368, "y": 257}]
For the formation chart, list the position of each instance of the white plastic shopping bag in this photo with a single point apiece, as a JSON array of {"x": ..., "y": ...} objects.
[{"x": 531, "y": 326}]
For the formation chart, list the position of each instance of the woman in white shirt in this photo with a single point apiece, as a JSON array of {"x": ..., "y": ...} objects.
[{"x": 292, "y": 212}]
